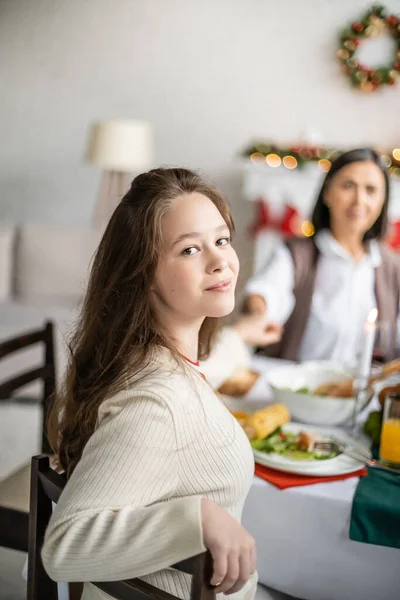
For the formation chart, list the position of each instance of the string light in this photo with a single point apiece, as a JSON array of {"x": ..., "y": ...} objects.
[
  {"x": 307, "y": 229},
  {"x": 290, "y": 162},
  {"x": 256, "y": 158},
  {"x": 324, "y": 164},
  {"x": 387, "y": 161},
  {"x": 273, "y": 160},
  {"x": 396, "y": 153},
  {"x": 295, "y": 157}
]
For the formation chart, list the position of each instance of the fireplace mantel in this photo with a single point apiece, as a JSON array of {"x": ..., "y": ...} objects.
[{"x": 298, "y": 187}]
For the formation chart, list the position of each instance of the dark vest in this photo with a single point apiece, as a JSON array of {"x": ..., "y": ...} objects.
[{"x": 305, "y": 256}]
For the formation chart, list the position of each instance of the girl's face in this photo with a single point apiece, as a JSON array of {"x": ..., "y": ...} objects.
[
  {"x": 197, "y": 272},
  {"x": 355, "y": 198}
]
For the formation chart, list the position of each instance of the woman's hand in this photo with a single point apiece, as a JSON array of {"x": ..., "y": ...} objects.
[
  {"x": 255, "y": 304},
  {"x": 255, "y": 331},
  {"x": 231, "y": 546}
]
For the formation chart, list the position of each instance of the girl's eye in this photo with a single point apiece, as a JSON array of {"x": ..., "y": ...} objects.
[
  {"x": 223, "y": 241},
  {"x": 371, "y": 190},
  {"x": 189, "y": 251}
]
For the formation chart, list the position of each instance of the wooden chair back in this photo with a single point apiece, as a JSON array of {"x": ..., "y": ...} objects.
[
  {"x": 45, "y": 371},
  {"x": 14, "y": 521},
  {"x": 46, "y": 487}
]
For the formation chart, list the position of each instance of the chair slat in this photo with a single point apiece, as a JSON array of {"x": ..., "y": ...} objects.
[
  {"x": 9, "y": 386},
  {"x": 53, "y": 484},
  {"x": 21, "y": 341},
  {"x": 15, "y": 537},
  {"x": 133, "y": 589}
]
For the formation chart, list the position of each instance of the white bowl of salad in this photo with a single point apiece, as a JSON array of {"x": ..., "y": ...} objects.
[{"x": 296, "y": 386}]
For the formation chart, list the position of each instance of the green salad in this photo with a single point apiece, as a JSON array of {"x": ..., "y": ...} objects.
[
  {"x": 305, "y": 390},
  {"x": 296, "y": 446}
]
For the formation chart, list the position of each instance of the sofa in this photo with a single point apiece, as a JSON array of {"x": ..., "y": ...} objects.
[{"x": 43, "y": 273}]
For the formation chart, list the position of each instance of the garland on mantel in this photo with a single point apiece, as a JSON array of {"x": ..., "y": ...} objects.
[
  {"x": 296, "y": 156},
  {"x": 375, "y": 22}
]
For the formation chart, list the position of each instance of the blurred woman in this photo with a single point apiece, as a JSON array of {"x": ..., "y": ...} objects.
[
  {"x": 323, "y": 288},
  {"x": 158, "y": 469}
]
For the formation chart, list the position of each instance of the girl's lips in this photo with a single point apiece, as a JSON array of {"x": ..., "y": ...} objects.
[{"x": 223, "y": 286}]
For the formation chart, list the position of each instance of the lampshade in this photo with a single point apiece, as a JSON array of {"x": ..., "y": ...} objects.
[{"x": 120, "y": 145}]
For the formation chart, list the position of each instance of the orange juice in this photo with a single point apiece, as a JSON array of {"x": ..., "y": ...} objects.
[{"x": 390, "y": 441}]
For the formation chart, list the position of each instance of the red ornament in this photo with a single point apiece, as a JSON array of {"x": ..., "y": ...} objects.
[
  {"x": 392, "y": 20},
  {"x": 356, "y": 42},
  {"x": 358, "y": 27},
  {"x": 397, "y": 65},
  {"x": 393, "y": 238},
  {"x": 286, "y": 224},
  {"x": 290, "y": 221}
]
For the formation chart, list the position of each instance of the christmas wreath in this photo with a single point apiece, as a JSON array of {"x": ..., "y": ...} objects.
[{"x": 374, "y": 23}]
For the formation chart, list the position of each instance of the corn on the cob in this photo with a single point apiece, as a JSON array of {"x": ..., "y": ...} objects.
[{"x": 265, "y": 421}]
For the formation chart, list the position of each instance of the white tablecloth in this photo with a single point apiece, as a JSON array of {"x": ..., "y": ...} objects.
[{"x": 302, "y": 538}]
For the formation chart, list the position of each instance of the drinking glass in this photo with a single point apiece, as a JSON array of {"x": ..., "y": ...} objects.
[{"x": 390, "y": 437}]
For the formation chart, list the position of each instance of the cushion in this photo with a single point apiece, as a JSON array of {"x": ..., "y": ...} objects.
[
  {"x": 7, "y": 238},
  {"x": 53, "y": 261}
]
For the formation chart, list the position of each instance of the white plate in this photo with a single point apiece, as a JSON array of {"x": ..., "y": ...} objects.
[{"x": 339, "y": 465}]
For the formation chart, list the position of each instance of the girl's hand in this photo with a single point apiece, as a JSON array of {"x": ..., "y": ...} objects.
[{"x": 231, "y": 546}]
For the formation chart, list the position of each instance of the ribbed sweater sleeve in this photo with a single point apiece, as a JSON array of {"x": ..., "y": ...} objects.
[{"x": 118, "y": 516}]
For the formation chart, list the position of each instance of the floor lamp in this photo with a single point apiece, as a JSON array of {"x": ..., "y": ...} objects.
[{"x": 119, "y": 148}]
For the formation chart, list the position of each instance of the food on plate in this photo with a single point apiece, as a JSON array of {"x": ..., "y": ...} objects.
[
  {"x": 333, "y": 390},
  {"x": 344, "y": 389},
  {"x": 239, "y": 383},
  {"x": 308, "y": 391},
  {"x": 338, "y": 389},
  {"x": 296, "y": 446},
  {"x": 265, "y": 421},
  {"x": 373, "y": 426},
  {"x": 303, "y": 390},
  {"x": 264, "y": 430},
  {"x": 307, "y": 441},
  {"x": 260, "y": 424},
  {"x": 243, "y": 419}
]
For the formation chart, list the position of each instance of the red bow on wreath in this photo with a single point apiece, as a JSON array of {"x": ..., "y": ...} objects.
[{"x": 286, "y": 224}]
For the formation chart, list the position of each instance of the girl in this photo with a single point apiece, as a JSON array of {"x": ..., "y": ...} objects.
[{"x": 158, "y": 469}]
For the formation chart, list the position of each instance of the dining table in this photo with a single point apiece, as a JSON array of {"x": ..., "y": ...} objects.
[{"x": 302, "y": 533}]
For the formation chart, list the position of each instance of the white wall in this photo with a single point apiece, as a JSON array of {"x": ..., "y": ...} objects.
[{"x": 209, "y": 74}]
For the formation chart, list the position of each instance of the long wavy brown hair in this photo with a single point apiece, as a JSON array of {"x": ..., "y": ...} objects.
[{"x": 117, "y": 329}]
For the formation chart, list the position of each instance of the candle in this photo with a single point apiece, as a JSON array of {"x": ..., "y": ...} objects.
[{"x": 369, "y": 339}]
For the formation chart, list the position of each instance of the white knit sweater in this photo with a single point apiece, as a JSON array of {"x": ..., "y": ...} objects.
[{"x": 132, "y": 506}]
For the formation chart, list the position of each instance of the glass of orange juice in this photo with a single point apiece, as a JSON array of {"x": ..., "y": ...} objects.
[{"x": 390, "y": 436}]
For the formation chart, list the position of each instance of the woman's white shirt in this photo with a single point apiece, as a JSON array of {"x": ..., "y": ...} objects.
[{"x": 344, "y": 294}]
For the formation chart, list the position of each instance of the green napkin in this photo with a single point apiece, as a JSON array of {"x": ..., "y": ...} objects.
[{"x": 375, "y": 514}]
